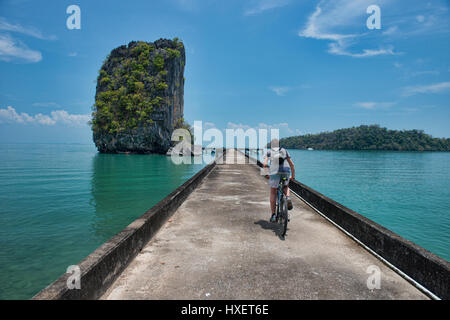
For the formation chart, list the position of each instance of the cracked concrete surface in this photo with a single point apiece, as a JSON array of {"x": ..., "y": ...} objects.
[{"x": 220, "y": 245}]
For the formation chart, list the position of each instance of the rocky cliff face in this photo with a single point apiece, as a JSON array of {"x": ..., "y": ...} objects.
[{"x": 139, "y": 98}]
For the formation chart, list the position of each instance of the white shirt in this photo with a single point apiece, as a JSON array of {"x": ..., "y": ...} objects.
[{"x": 274, "y": 167}]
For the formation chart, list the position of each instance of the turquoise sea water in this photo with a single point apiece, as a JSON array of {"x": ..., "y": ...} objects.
[
  {"x": 58, "y": 203},
  {"x": 406, "y": 192}
]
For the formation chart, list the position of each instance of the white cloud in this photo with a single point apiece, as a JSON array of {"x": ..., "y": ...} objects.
[
  {"x": 260, "y": 6},
  {"x": 11, "y": 49},
  {"x": 425, "y": 72},
  {"x": 73, "y": 54},
  {"x": 10, "y": 115},
  {"x": 283, "y": 127},
  {"x": 374, "y": 105},
  {"x": 208, "y": 125},
  {"x": 331, "y": 18},
  {"x": 339, "y": 49},
  {"x": 366, "y": 105},
  {"x": 235, "y": 126},
  {"x": 391, "y": 30},
  {"x": 280, "y": 91},
  {"x": 403, "y": 21},
  {"x": 409, "y": 74},
  {"x": 62, "y": 116},
  {"x": 46, "y": 104},
  {"x": 431, "y": 88},
  {"x": 29, "y": 31}
]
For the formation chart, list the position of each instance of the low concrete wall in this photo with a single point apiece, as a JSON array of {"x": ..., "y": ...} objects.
[
  {"x": 429, "y": 270},
  {"x": 104, "y": 265}
]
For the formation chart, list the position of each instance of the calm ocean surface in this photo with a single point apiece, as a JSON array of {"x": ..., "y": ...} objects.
[
  {"x": 406, "y": 192},
  {"x": 58, "y": 203}
]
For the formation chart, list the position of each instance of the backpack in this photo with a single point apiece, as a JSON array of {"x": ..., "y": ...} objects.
[{"x": 279, "y": 156}]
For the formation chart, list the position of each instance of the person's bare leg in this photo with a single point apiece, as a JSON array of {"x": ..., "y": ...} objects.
[
  {"x": 273, "y": 197},
  {"x": 287, "y": 191}
]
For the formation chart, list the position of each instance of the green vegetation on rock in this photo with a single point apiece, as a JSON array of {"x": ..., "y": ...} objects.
[
  {"x": 181, "y": 124},
  {"x": 131, "y": 85},
  {"x": 368, "y": 138}
]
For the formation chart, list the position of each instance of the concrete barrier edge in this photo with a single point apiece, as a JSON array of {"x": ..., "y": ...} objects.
[
  {"x": 424, "y": 267},
  {"x": 102, "y": 267}
]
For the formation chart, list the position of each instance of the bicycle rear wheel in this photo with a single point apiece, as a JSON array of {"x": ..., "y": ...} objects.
[
  {"x": 278, "y": 209},
  {"x": 283, "y": 216}
]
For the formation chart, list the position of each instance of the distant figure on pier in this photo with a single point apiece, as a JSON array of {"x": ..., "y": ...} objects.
[{"x": 280, "y": 165}]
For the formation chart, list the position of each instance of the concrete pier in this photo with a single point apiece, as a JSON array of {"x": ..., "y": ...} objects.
[{"x": 219, "y": 245}]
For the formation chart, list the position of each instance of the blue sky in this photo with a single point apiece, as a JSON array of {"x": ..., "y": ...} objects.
[{"x": 302, "y": 66}]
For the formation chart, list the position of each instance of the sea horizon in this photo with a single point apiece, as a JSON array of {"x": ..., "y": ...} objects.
[{"x": 54, "y": 179}]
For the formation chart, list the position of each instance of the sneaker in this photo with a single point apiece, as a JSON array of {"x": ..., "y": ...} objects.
[
  {"x": 273, "y": 218},
  {"x": 289, "y": 203}
]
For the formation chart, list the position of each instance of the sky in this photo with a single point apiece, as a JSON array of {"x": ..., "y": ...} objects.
[{"x": 302, "y": 66}]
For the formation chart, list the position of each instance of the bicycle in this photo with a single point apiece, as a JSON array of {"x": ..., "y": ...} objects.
[{"x": 281, "y": 205}]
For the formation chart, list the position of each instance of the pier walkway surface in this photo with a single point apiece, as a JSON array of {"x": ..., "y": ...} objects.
[{"x": 220, "y": 245}]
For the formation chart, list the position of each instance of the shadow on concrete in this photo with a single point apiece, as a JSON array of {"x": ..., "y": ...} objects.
[{"x": 275, "y": 227}]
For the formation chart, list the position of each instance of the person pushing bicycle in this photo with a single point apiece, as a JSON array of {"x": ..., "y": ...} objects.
[{"x": 280, "y": 166}]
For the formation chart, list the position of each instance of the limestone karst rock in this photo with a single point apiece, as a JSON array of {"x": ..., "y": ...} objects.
[{"x": 139, "y": 97}]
